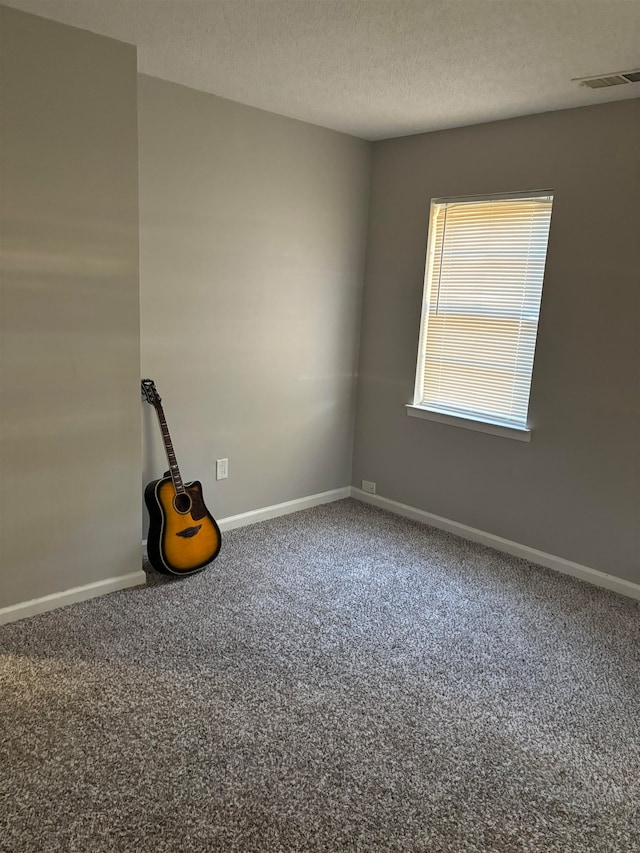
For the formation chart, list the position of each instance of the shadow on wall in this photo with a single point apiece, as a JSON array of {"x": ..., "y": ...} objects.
[{"x": 149, "y": 470}]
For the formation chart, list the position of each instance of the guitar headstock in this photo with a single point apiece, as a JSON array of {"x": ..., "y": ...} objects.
[{"x": 150, "y": 392}]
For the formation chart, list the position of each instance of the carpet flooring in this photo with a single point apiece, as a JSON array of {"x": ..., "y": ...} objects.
[{"x": 340, "y": 679}]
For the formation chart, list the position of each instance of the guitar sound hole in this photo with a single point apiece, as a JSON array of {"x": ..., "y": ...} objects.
[{"x": 182, "y": 503}]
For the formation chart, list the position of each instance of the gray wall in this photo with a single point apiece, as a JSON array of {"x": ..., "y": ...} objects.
[
  {"x": 574, "y": 491},
  {"x": 69, "y": 333},
  {"x": 252, "y": 241}
]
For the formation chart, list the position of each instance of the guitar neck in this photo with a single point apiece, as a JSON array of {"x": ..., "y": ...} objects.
[{"x": 171, "y": 456}]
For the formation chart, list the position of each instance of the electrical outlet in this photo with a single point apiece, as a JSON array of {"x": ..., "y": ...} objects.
[
  {"x": 222, "y": 469},
  {"x": 368, "y": 486}
]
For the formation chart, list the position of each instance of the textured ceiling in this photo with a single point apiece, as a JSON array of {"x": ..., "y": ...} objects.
[{"x": 376, "y": 68}]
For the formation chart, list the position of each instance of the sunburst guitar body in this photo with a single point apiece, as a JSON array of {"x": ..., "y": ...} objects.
[{"x": 183, "y": 536}]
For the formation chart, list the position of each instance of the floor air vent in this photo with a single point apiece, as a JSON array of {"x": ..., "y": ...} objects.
[{"x": 617, "y": 79}]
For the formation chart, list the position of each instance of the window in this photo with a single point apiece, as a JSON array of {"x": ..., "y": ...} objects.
[{"x": 482, "y": 292}]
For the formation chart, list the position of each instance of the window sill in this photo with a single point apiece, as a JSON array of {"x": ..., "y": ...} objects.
[{"x": 517, "y": 433}]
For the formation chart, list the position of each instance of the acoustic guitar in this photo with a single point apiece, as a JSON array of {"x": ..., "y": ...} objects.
[{"x": 183, "y": 536}]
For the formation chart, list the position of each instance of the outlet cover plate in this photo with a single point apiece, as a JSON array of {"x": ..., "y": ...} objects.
[{"x": 369, "y": 486}]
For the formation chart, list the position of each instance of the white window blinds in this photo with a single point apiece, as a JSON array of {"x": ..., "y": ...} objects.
[{"x": 483, "y": 286}]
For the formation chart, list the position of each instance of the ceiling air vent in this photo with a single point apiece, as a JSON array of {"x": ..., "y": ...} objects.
[{"x": 617, "y": 79}]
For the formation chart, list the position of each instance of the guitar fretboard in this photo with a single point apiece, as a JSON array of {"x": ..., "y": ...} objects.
[{"x": 171, "y": 456}]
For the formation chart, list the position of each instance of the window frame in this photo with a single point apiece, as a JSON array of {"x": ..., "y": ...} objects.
[{"x": 468, "y": 421}]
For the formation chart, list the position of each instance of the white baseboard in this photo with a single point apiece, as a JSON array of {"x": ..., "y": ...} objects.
[
  {"x": 82, "y": 593},
  {"x": 243, "y": 519},
  {"x": 69, "y": 596},
  {"x": 559, "y": 564},
  {"x": 263, "y": 514}
]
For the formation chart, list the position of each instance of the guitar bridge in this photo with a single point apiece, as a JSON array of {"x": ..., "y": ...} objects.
[{"x": 188, "y": 532}]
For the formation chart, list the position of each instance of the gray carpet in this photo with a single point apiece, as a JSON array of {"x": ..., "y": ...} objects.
[{"x": 340, "y": 680}]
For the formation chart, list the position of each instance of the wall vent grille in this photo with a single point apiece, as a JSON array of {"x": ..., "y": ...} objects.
[{"x": 602, "y": 82}]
